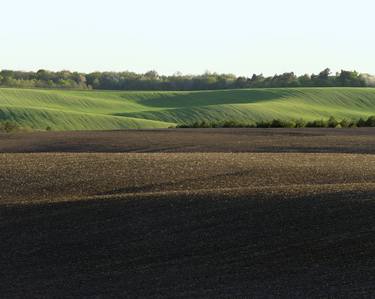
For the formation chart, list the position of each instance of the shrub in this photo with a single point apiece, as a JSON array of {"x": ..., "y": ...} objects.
[
  {"x": 264, "y": 124},
  {"x": 317, "y": 124},
  {"x": 8, "y": 126},
  {"x": 345, "y": 123},
  {"x": 361, "y": 122},
  {"x": 235, "y": 124},
  {"x": 370, "y": 122},
  {"x": 231, "y": 124},
  {"x": 300, "y": 123},
  {"x": 203, "y": 124},
  {"x": 332, "y": 122},
  {"x": 277, "y": 123}
]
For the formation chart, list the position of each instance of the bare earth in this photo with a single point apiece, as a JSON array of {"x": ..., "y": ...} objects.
[
  {"x": 194, "y": 140},
  {"x": 188, "y": 213}
]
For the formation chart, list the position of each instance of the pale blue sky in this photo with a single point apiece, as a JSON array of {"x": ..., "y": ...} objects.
[{"x": 236, "y": 36}]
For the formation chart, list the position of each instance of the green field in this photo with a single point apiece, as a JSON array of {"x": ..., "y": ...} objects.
[{"x": 100, "y": 110}]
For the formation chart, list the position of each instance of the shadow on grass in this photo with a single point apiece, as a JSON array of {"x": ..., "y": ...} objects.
[{"x": 206, "y": 98}]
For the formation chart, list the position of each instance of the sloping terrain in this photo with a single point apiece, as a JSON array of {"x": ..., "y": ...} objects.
[
  {"x": 187, "y": 225},
  {"x": 98, "y": 110},
  {"x": 176, "y": 224}
]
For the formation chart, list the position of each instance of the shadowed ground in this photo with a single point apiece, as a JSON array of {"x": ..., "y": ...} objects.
[
  {"x": 181, "y": 246},
  {"x": 162, "y": 225}
]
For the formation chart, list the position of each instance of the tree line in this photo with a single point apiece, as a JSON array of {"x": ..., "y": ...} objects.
[{"x": 153, "y": 81}]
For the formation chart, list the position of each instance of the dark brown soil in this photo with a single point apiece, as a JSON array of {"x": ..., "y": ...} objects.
[
  {"x": 195, "y": 140},
  {"x": 262, "y": 224}
]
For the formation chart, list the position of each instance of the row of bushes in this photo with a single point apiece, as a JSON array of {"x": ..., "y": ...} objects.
[
  {"x": 279, "y": 123},
  {"x": 11, "y": 126}
]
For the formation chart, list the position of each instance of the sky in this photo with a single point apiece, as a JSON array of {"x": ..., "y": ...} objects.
[{"x": 241, "y": 37}]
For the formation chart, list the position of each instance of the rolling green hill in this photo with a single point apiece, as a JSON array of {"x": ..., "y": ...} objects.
[{"x": 99, "y": 110}]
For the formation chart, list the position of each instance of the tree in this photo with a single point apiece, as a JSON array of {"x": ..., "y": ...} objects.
[
  {"x": 151, "y": 75},
  {"x": 349, "y": 78},
  {"x": 242, "y": 82},
  {"x": 285, "y": 80},
  {"x": 367, "y": 80},
  {"x": 44, "y": 75},
  {"x": 323, "y": 79},
  {"x": 324, "y": 75},
  {"x": 305, "y": 80},
  {"x": 257, "y": 80}
]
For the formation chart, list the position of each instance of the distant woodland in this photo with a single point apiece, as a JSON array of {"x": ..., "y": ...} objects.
[{"x": 153, "y": 81}]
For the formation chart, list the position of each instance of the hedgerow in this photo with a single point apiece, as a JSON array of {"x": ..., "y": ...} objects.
[{"x": 279, "y": 123}]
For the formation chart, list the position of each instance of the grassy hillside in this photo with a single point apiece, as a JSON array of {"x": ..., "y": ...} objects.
[{"x": 91, "y": 110}]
